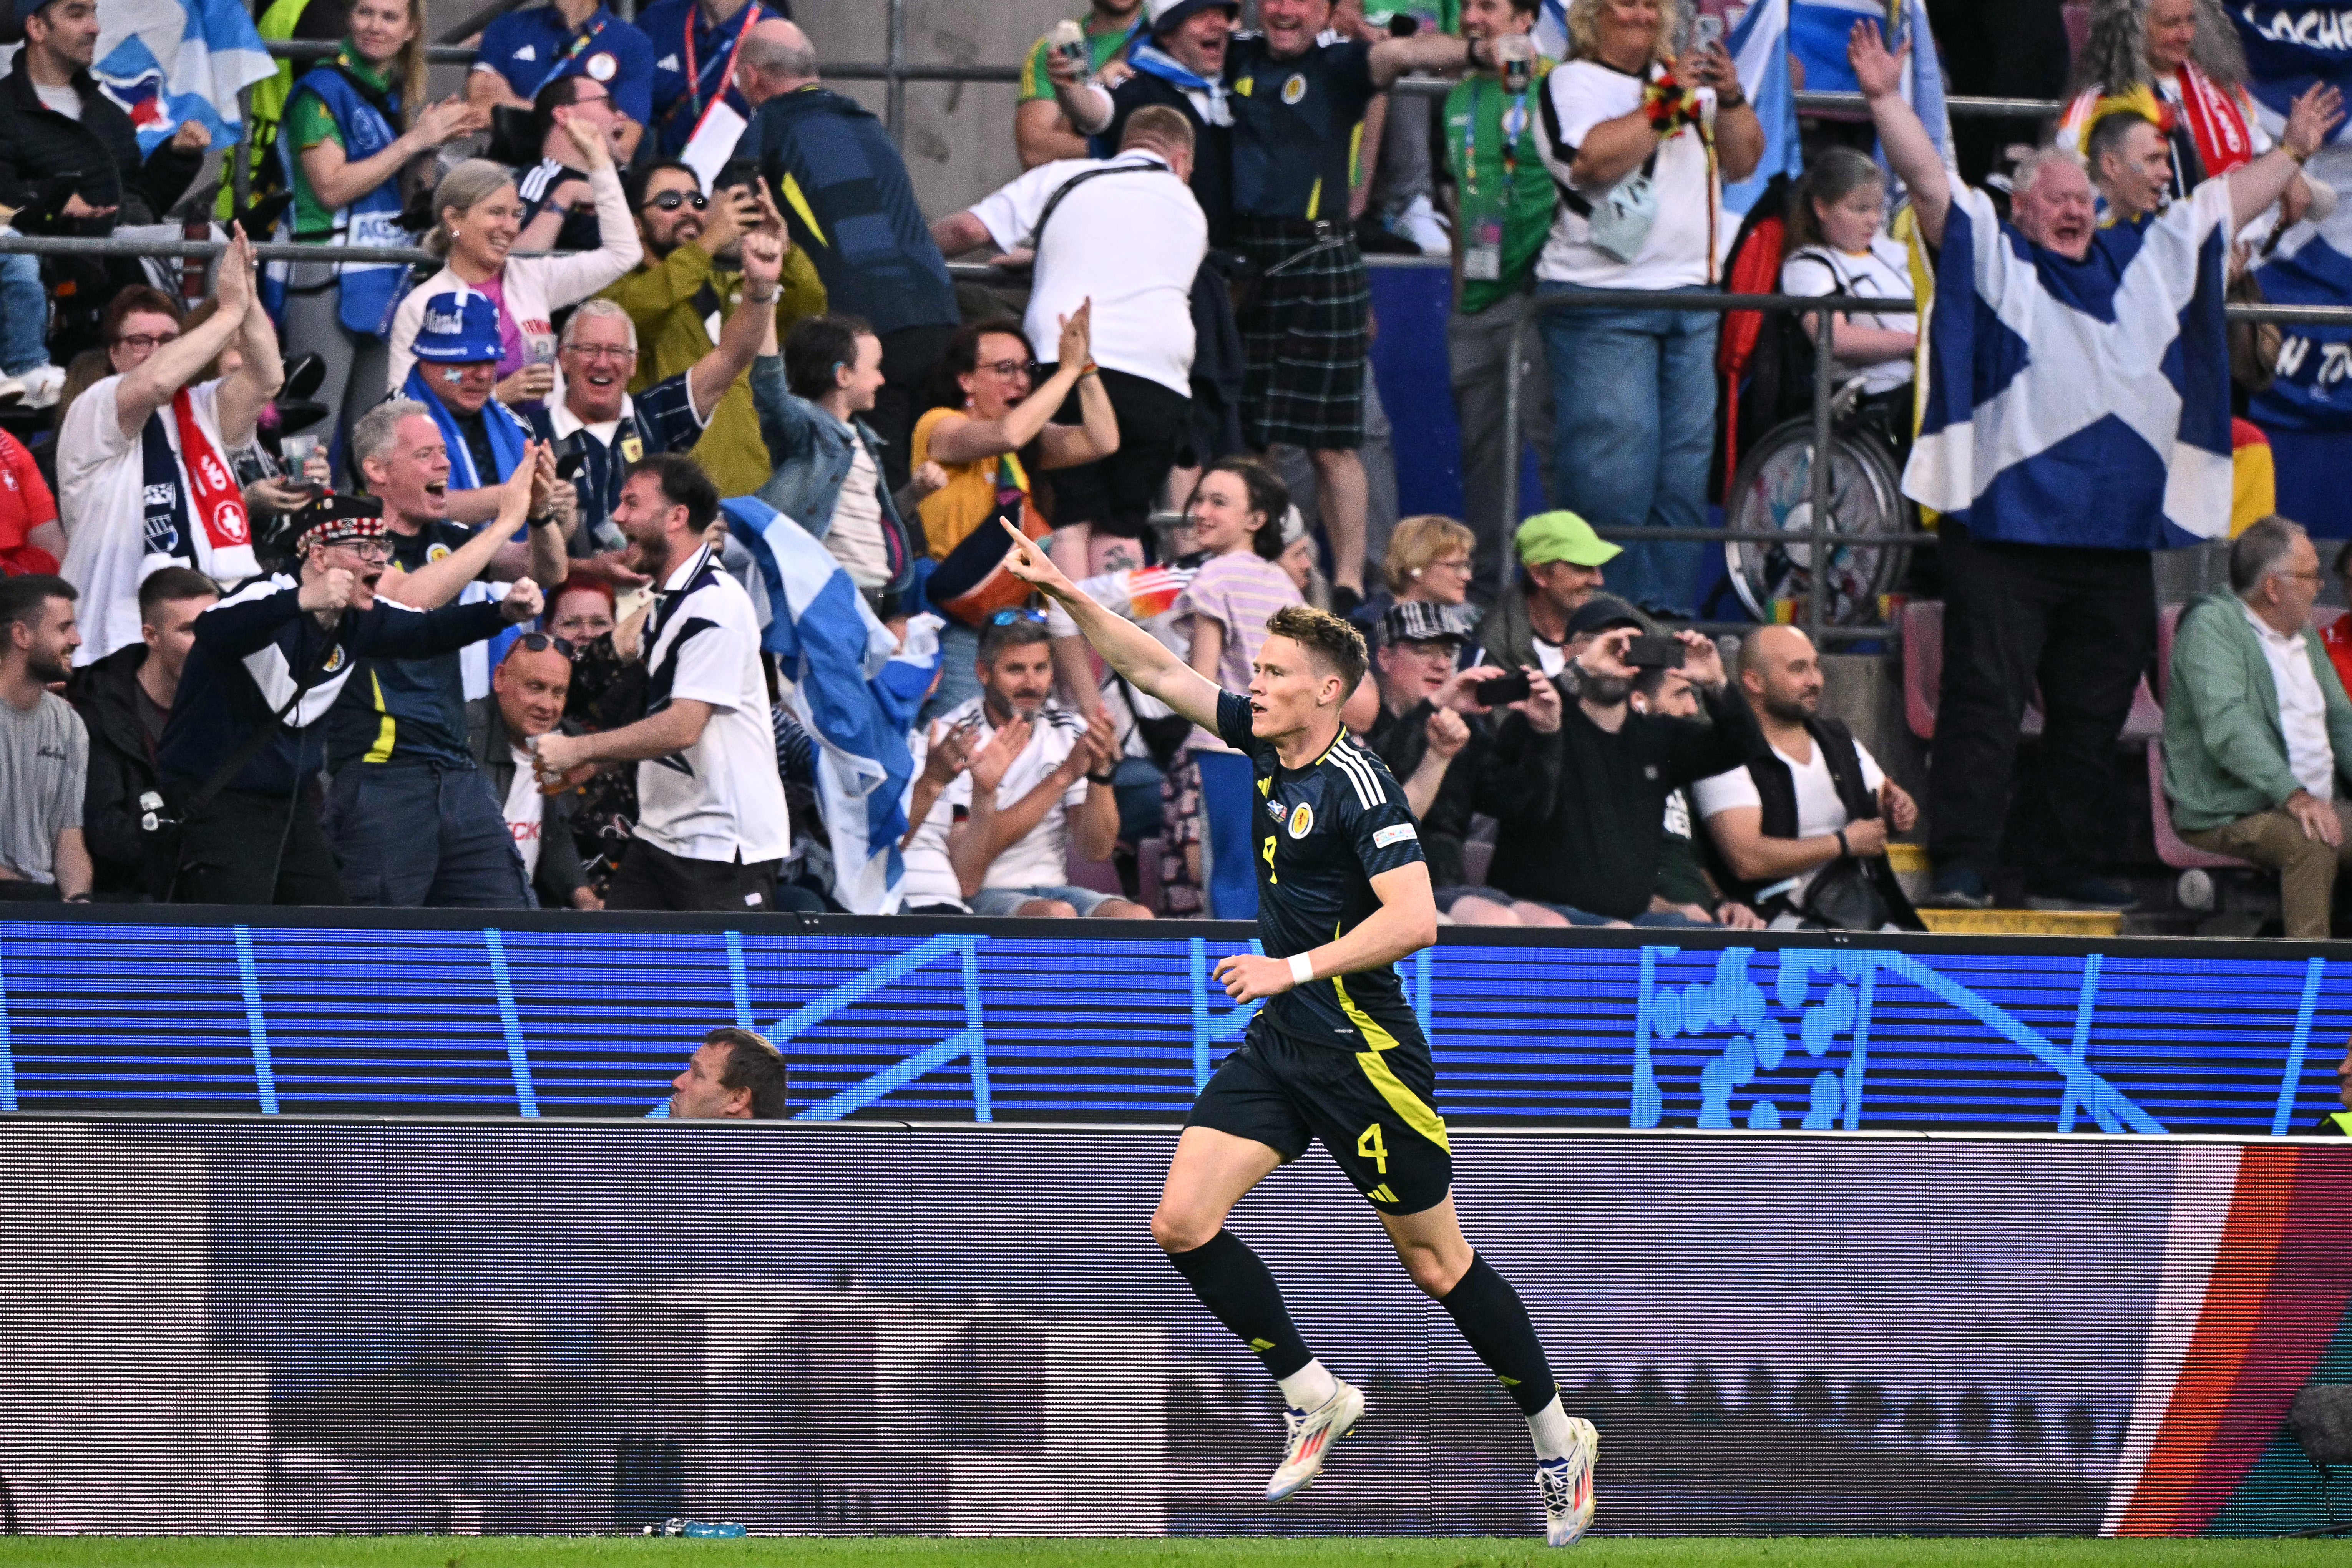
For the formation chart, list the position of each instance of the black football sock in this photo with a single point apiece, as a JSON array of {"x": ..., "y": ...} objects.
[
  {"x": 1238, "y": 1288},
  {"x": 1491, "y": 1317}
]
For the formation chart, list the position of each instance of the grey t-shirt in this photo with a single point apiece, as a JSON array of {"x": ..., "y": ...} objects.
[{"x": 44, "y": 765}]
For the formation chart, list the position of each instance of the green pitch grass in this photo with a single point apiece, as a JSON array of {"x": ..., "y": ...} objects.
[{"x": 432, "y": 1552}]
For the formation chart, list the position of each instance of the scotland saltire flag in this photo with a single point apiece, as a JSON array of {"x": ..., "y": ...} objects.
[
  {"x": 849, "y": 688},
  {"x": 213, "y": 51},
  {"x": 2081, "y": 404}
]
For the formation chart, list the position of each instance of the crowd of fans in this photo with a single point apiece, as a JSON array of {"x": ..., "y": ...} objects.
[{"x": 459, "y": 618}]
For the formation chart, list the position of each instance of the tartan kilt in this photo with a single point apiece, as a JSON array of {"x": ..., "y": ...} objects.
[{"x": 1304, "y": 336}]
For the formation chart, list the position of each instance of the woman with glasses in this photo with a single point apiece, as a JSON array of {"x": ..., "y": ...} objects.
[
  {"x": 352, "y": 127},
  {"x": 478, "y": 218},
  {"x": 989, "y": 428}
]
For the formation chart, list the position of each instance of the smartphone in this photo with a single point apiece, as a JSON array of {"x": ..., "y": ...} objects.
[
  {"x": 1503, "y": 690},
  {"x": 1655, "y": 651},
  {"x": 1709, "y": 31}
]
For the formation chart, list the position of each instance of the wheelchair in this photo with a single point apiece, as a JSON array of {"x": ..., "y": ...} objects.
[{"x": 1772, "y": 491}]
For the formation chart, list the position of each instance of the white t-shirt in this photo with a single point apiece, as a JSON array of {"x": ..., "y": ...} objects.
[
  {"x": 930, "y": 876},
  {"x": 64, "y": 99},
  {"x": 1882, "y": 272},
  {"x": 855, "y": 538},
  {"x": 1550, "y": 656},
  {"x": 103, "y": 504},
  {"x": 1580, "y": 95},
  {"x": 1819, "y": 810},
  {"x": 1041, "y": 858},
  {"x": 526, "y": 811},
  {"x": 721, "y": 797},
  {"x": 1129, "y": 242},
  {"x": 2302, "y": 712}
]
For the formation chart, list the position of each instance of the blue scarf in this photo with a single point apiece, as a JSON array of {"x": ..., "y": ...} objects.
[
  {"x": 1148, "y": 57},
  {"x": 507, "y": 433}
]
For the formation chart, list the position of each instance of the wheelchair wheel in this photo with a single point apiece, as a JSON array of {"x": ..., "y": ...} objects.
[{"x": 1773, "y": 489}]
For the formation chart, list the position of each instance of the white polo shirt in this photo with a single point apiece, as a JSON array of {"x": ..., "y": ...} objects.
[
  {"x": 721, "y": 799},
  {"x": 1130, "y": 242}
]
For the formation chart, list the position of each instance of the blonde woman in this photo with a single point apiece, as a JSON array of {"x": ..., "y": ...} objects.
[
  {"x": 476, "y": 216},
  {"x": 1428, "y": 561},
  {"x": 1641, "y": 143},
  {"x": 351, "y": 128}
]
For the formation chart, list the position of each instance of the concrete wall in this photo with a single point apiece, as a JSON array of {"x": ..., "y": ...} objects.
[{"x": 958, "y": 137}]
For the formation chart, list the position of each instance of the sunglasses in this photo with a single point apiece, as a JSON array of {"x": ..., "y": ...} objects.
[
  {"x": 539, "y": 642},
  {"x": 1006, "y": 617},
  {"x": 671, "y": 201}
]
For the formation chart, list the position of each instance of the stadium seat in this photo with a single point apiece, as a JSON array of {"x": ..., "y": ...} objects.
[
  {"x": 1228, "y": 807},
  {"x": 1097, "y": 876},
  {"x": 2167, "y": 626},
  {"x": 2170, "y": 848},
  {"x": 1923, "y": 664},
  {"x": 1923, "y": 678}
]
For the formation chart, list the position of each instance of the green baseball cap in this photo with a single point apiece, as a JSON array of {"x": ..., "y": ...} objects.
[{"x": 1551, "y": 536}]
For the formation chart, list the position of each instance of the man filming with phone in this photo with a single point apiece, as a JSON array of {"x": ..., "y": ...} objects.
[{"x": 1579, "y": 807}]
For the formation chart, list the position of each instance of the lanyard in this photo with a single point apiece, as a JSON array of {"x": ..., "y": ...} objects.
[
  {"x": 1514, "y": 126},
  {"x": 588, "y": 38},
  {"x": 693, "y": 76}
]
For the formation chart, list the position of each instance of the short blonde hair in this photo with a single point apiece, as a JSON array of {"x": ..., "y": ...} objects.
[
  {"x": 1418, "y": 541},
  {"x": 1583, "y": 21}
]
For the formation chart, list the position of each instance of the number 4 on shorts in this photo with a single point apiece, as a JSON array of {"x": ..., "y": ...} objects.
[{"x": 1371, "y": 1147}]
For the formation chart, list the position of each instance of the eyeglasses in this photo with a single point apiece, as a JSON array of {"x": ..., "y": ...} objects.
[
  {"x": 1451, "y": 563},
  {"x": 671, "y": 201},
  {"x": 375, "y": 552},
  {"x": 1009, "y": 368},
  {"x": 143, "y": 342},
  {"x": 1007, "y": 617},
  {"x": 601, "y": 350},
  {"x": 539, "y": 642}
]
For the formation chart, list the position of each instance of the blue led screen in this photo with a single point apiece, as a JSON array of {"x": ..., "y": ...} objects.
[{"x": 341, "y": 1012}]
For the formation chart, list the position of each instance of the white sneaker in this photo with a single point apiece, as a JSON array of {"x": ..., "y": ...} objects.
[
  {"x": 42, "y": 384},
  {"x": 1309, "y": 1436},
  {"x": 12, "y": 390},
  {"x": 1566, "y": 1487}
]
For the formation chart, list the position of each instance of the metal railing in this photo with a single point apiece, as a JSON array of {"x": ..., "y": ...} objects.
[{"x": 895, "y": 71}]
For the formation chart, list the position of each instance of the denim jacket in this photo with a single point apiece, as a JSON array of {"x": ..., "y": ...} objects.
[{"x": 811, "y": 455}]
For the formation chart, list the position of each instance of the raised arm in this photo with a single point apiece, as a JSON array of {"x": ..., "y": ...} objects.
[
  {"x": 436, "y": 583},
  {"x": 1438, "y": 53},
  {"x": 1909, "y": 148},
  {"x": 257, "y": 381},
  {"x": 2254, "y": 186},
  {"x": 1125, "y": 647},
  {"x": 1085, "y": 103},
  {"x": 754, "y": 322},
  {"x": 173, "y": 366}
]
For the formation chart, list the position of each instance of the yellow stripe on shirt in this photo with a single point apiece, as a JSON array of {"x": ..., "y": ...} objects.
[
  {"x": 1418, "y": 1114},
  {"x": 387, "y": 732}
]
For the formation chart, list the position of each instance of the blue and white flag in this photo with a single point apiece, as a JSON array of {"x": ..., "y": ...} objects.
[
  {"x": 1819, "y": 31},
  {"x": 1759, "y": 50},
  {"x": 2082, "y": 404},
  {"x": 849, "y": 686},
  {"x": 171, "y": 61}
]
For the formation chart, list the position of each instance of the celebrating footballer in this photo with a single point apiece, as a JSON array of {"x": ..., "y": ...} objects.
[{"x": 1336, "y": 1054}]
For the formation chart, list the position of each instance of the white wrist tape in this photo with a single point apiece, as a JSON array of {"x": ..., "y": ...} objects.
[{"x": 1302, "y": 969}]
